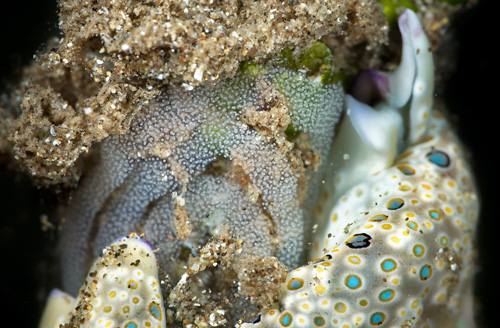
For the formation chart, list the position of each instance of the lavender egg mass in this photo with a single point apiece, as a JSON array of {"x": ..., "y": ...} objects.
[{"x": 213, "y": 161}]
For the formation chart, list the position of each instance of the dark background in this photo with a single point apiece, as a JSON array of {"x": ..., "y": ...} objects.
[{"x": 472, "y": 95}]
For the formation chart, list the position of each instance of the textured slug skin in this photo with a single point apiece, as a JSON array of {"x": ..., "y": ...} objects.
[
  {"x": 122, "y": 289},
  {"x": 398, "y": 250}
]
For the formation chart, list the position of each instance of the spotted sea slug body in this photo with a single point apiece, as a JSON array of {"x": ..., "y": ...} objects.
[
  {"x": 402, "y": 250},
  {"x": 397, "y": 248},
  {"x": 122, "y": 289}
]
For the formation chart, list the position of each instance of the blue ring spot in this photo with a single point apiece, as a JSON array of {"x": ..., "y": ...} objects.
[
  {"x": 377, "y": 319},
  {"x": 395, "y": 204},
  {"x": 359, "y": 240},
  {"x": 353, "y": 282},
  {"x": 256, "y": 319},
  {"x": 425, "y": 272},
  {"x": 286, "y": 319},
  {"x": 388, "y": 265},
  {"x": 406, "y": 170},
  {"x": 438, "y": 157},
  {"x": 386, "y": 295},
  {"x": 378, "y": 218},
  {"x": 155, "y": 310},
  {"x": 412, "y": 225},
  {"x": 319, "y": 321},
  {"x": 340, "y": 307},
  {"x": 130, "y": 324},
  {"x": 418, "y": 250},
  {"x": 434, "y": 214},
  {"x": 295, "y": 283}
]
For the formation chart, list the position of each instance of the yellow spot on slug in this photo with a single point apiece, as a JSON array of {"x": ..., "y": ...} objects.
[
  {"x": 395, "y": 239},
  {"x": 404, "y": 188},
  {"x": 320, "y": 289}
]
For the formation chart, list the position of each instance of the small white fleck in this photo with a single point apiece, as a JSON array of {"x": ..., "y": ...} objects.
[
  {"x": 198, "y": 74},
  {"x": 188, "y": 87}
]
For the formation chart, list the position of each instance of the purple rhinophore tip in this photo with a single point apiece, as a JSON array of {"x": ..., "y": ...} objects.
[
  {"x": 56, "y": 292},
  {"x": 371, "y": 87},
  {"x": 145, "y": 241},
  {"x": 122, "y": 239},
  {"x": 408, "y": 21},
  {"x": 117, "y": 240}
]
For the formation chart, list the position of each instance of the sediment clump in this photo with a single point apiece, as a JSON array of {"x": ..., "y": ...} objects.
[{"x": 115, "y": 55}]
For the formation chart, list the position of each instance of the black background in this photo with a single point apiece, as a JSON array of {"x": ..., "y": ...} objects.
[{"x": 472, "y": 95}]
